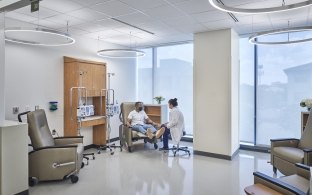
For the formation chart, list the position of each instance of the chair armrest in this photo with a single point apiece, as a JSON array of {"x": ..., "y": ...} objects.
[
  {"x": 303, "y": 170},
  {"x": 54, "y": 147},
  {"x": 292, "y": 142},
  {"x": 276, "y": 184},
  {"x": 59, "y": 141},
  {"x": 307, "y": 156}
]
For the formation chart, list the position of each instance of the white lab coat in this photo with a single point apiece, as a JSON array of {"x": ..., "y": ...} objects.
[{"x": 176, "y": 124}]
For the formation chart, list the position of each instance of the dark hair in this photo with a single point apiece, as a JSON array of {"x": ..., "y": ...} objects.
[
  {"x": 173, "y": 102},
  {"x": 137, "y": 103}
]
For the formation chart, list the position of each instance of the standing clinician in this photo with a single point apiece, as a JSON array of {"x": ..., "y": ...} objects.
[{"x": 175, "y": 126}]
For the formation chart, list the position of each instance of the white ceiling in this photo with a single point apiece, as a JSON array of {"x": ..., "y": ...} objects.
[{"x": 169, "y": 20}]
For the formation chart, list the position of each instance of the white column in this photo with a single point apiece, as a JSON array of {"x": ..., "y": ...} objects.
[
  {"x": 216, "y": 93},
  {"x": 2, "y": 70}
]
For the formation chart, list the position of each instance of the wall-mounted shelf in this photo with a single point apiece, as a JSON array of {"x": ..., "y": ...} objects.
[
  {"x": 92, "y": 121},
  {"x": 157, "y": 113}
]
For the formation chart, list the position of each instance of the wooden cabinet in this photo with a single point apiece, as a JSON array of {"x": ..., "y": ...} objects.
[
  {"x": 157, "y": 113},
  {"x": 92, "y": 76},
  {"x": 304, "y": 119}
]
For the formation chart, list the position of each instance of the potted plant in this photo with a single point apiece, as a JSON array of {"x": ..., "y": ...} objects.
[
  {"x": 306, "y": 103},
  {"x": 159, "y": 99}
]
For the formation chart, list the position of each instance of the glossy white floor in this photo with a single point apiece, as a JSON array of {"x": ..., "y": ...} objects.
[{"x": 149, "y": 171}]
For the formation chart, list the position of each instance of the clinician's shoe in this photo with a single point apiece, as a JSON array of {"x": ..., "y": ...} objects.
[
  {"x": 149, "y": 133},
  {"x": 160, "y": 132}
]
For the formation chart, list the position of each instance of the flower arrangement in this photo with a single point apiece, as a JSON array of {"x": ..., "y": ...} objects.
[
  {"x": 159, "y": 99},
  {"x": 306, "y": 103}
]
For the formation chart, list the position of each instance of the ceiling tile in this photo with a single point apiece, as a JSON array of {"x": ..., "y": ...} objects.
[
  {"x": 49, "y": 24},
  {"x": 89, "y": 2},
  {"x": 103, "y": 34},
  {"x": 164, "y": 12},
  {"x": 113, "y": 8},
  {"x": 195, "y": 6},
  {"x": 43, "y": 12},
  {"x": 19, "y": 16},
  {"x": 289, "y": 15},
  {"x": 62, "y": 6},
  {"x": 176, "y": 1},
  {"x": 220, "y": 24},
  {"x": 109, "y": 24},
  {"x": 88, "y": 14},
  {"x": 91, "y": 27},
  {"x": 135, "y": 18},
  {"x": 144, "y": 4},
  {"x": 210, "y": 16},
  {"x": 252, "y": 19},
  {"x": 74, "y": 31},
  {"x": 63, "y": 19}
]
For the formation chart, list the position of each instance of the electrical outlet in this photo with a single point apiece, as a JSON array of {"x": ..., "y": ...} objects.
[{"x": 15, "y": 110}]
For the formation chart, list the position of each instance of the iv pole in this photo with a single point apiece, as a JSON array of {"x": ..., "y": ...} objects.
[{"x": 109, "y": 105}]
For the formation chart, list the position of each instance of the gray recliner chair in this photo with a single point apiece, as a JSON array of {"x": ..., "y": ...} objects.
[
  {"x": 285, "y": 153},
  {"x": 52, "y": 158},
  {"x": 126, "y": 135}
]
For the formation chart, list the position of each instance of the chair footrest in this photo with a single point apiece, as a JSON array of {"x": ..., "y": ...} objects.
[{"x": 259, "y": 189}]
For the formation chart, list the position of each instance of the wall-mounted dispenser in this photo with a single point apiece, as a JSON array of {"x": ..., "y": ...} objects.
[{"x": 53, "y": 105}]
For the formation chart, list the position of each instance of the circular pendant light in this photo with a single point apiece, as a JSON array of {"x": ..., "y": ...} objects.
[
  {"x": 120, "y": 53},
  {"x": 253, "y": 39},
  {"x": 38, "y": 36},
  {"x": 220, "y": 6}
]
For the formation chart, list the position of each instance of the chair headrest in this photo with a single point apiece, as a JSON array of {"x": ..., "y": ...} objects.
[
  {"x": 38, "y": 129},
  {"x": 125, "y": 109}
]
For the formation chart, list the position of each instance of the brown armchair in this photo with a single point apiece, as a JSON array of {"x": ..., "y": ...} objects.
[
  {"x": 296, "y": 184},
  {"x": 285, "y": 153},
  {"x": 52, "y": 158},
  {"x": 126, "y": 135}
]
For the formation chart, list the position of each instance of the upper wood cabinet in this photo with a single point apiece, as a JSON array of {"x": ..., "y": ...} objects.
[{"x": 86, "y": 74}]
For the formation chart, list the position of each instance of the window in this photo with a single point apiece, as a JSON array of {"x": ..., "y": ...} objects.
[
  {"x": 173, "y": 68},
  {"x": 145, "y": 76},
  {"x": 283, "y": 78},
  {"x": 247, "y": 89},
  {"x": 174, "y": 78}
]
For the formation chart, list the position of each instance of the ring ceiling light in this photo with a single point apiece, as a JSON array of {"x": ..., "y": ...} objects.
[
  {"x": 120, "y": 53},
  {"x": 38, "y": 36},
  {"x": 219, "y": 5},
  {"x": 253, "y": 39}
]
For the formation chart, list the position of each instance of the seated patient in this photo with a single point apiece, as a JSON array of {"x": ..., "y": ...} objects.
[{"x": 139, "y": 121}]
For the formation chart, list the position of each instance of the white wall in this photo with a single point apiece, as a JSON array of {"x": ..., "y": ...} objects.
[
  {"x": 2, "y": 69},
  {"x": 34, "y": 76},
  {"x": 215, "y": 110}
]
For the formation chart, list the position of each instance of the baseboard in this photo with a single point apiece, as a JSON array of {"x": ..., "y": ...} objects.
[
  {"x": 187, "y": 139},
  {"x": 90, "y": 146},
  {"x": 26, "y": 192},
  {"x": 96, "y": 146},
  {"x": 255, "y": 148},
  {"x": 214, "y": 155}
]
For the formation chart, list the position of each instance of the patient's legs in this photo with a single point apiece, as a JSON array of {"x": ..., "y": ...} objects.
[
  {"x": 146, "y": 130},
  {"x": 149, "y": 126},
  {"x": 139, "y": 128}
]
